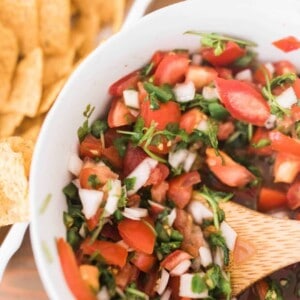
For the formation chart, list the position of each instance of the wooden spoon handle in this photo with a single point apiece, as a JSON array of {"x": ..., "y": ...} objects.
[{"x": 269, "y": 244}]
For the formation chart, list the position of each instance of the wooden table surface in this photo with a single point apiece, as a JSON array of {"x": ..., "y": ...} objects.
[{"x": 21, "y": 280}]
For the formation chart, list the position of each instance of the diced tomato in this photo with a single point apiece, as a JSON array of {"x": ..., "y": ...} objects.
[
  {"x": 110, "y": 136},
  {"x": 157, "y": 58},
  {"x": 260, "y": 134},
  {"x": 227, "y": 170},
  {"x": 225, "y": 130},
  {"x": 143, "y": 262},
  {"x": 110, "y": 232},
  {"x": 162, "y": 147},
  {"x": 159, "y": 192},
  {"x": 71, "y": 272},
  {"x": 181, "y": 188},
  {"x": 201, "y": 75},
  {"x": 242, "y": 101},
  {"x": 231, "y": 53},
  {"x": 191, "y": 119},
  {"x": 174, "y": 283},
  {"x": 150, "y": 282},
  {"x": 295, "y": 110},
  {"x": 261, "y": 288},
  {"x": 293, "y": 195},
  {"x": 112, "y": 253},
  {"x": 134, "y": 200},
  {"x": 260, "y": 75},
  {"x": 137, "y": 234},
  {"x": 283, "y": 143},
  {"x": 287, "y": 44},
  {"x": 296, "y": 86},
  {"x": 224, "y": 73},
  {"x": 158, "y": 174},
  {"x": 127, "y": 82},
  {"x": 174, "y": 258},
  {"x": 90, "y": 147},
  {"x": 171, "y": 69},
  {"x": 166, "y": 113},
  {"x": 94, "y": 220},
  {"x": 133, "y": 157},
  {"x": 112, "y": 155},
  {"x": 286, "y": 167},
  {"x": 90, "y": 275},
  {"x": 284, "y": 67},
  {"x": 101, "y": 171},
  {"x": 271, "y": 199},
  {"x": 155, "y": 209},
  {"x": 119, "y": 114},
  {"x": 126, "y": 275}
]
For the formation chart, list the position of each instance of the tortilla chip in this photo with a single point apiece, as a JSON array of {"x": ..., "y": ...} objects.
[
  {"x": 8, "y": 59},
  {"x": 84, "y": 7},
  {"x": 13, "y": 187},
  {"x": 25, "y": 147},
  {"x": 118, "y": 16},
  {"x": 105, "y": 10},
  {"x": 57, "y": 66},
  {"x": 21, "y": 16},
  {"x": 49, "y": 95},
  {"x": 55, "y": 25},
  {"x": 27, "y": 85},
  {"x": 9, "y": 122}
]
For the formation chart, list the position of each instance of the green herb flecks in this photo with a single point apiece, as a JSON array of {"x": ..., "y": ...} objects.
[
  {"x": 198, "y": 284},
  {"x": 218, "y": 42},
  {"x": 273, "y": 292},
  {"x": 45, "y": 204},
  {"x": 246, "y": 60},
  {"x": 131, "y": 292},
  {"x": 216, "y": 240},
  {"x": 262, "y": 143},
  {"x": 93, "y": 181},
  {"x": 85, "y": 129},
  {"x": 147, "y": 69},
  {"x": 158, "y": 94},
  {"x": 98, "y": 128}
]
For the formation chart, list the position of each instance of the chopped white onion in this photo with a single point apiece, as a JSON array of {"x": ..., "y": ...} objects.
[
  {"x": 141, "y": 174},
  {"x": 181, "y": 268},
  {"x": 184, "y": 92},
  {"x": 91, "y": 200},
  {"x": 203, "y": 125},
  {"x": 177, "y": 158},
  {"x": 189, "y": 161},
  {"x": 199, "y": 211},
  {"x": 185, "y": 287},
  {"x": 205, "y": 256},
  {"x": 103, "y": 294},
  {"x": 270, "y": 67},
  {"x": 287, "y": 98},
  {"x": 113, "y": 197},
  {"x": 131, "y": 98},
  {"x": 219, "y": 257},
  {"x": 209, "y": 93},
  {"x": 135, "y": 213},
  {"x": 229, "y": 235},
  {"x": 157, "y": 208},
  {"x": 75, "y": 164},
  {"x": 162, "y": 282},
  {"x": 166, "y": 295},
  {"x": 171, "y": 217},
  {"x": 82, "y": 230},
  {"x": 245, "y": 75},
  {"x": 134, "y": 112},
  {"x": 196, "y": 59},
  {"x": 271, "y": 122}
]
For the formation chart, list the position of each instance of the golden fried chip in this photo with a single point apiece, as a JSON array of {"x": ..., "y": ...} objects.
[
  {"x": 8, "y": 60},
  {"x": 20, "y": 145},
  {"x": 27, "y": 85},
  {"x": 118, "y": 15},
  {"x": 57, "y": 66},
  {"x": 49, "y": 95},
  {"x": 13, "y": 187},
  {"x": 55, "y": 25},
  {"x": 9, "y": 122},
  {"x": 21, "y": 16}
]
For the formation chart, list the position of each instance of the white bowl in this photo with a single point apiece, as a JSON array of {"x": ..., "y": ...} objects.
[{"x": 256, "y": 20}]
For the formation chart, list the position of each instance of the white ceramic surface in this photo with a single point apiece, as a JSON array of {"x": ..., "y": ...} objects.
[{"x": 256, "y": 20}]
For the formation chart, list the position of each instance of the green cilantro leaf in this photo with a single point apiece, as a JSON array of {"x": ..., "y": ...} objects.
[
  {"x": 84, "y": 129},
  {"x": 198, "y": 284}
]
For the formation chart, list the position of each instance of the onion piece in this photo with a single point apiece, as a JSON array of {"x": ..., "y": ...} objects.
[
  {"x": 75, "y": 164},
  {"x": 205, "y": 256},
  {"x": 103, "y": 294},
  {"x": 271, "y": 122},
  {"x": 203, "y": 125},
  {"x": 287, "y": 98},
  {"x": 156, "y": 207},
  {"x": 185, "y": 287},
  {"x": 219, "y": 257},
  {"x": 229, "y": 235},
  {"x": 181, "y": 268},
  {"x": 141, "y": 174},
  {"x": 209, "y": 93},
  {"x": 166, "y": 295},
  {"x": 135, "y": 213},
  {"x": 113, "y": 197},
  {"x": 199, "y": 211},
  {"x": 177, "y": 158},
  {"x": 189, "y": 161},
  {"x": 162, "y": 282},
  {"x": 245, "y": 75},
  {"x": 196, "y": 59},
  {"x": 184, "y": 92},
  {"x": 91, "y": 200},
  {"x": 171, "y": 217},
  {"x": 131, "y": 98}
]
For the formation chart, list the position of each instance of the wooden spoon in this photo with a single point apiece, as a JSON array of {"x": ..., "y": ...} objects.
[{"x": 265, "y": 244}]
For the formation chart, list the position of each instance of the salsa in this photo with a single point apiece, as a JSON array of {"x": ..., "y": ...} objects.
[{"x": 215, "y": 125}]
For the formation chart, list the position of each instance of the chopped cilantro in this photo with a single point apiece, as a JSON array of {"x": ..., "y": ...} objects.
[
  {"x": 262, "y": 143},
  {"x": 163, "y": 93},
  {"x": 129, "y": 183},
  {"x": 84, "y": 129},
  {"x": 93, "y": 181},
  {"x": 98, "y": 128},
  {"x": 198, "y": 284}
]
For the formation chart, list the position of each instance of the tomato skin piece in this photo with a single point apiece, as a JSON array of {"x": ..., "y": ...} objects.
[
  {"x": 260, "y": 74},
  {"x": 231, "y": 53},
  {"x": 191, "y": 119},
  {"x": 157, "y": 58},
  {"x": 293, "y": 195},
  {"x": 158, "y": 174},
  {"x": 127, "y": 82},
  {"x": 225, "y": 130},
  {"x": 284, "y": 67},
  {"x": 174, "y": 258},
  {"x": 71, "y": 272},
  {"x": 143, "y": 261},
  {"x": 227, "y": 170},
  {"x": 119, "y": 114},
  {"x": 94, "y": 220},
  {"x": 295, "y": 110},
  {"x": 201, "y": 75},
  {"x": 242, "y": 101},
  {"x": 259, "y": 134},
  {"x": 296, "y": 87},
  {"x": 171, "y": 69},
  {"x": 113, "y": 253},
  {"x": 159, "y": 192},
  {"x": 132, "y": 158},
  {"x": 271, "y": 199},
  {"x": 181, "y": 188},
  {"x": 287, "y": 44},
  {"x": 138, "y": 235},
  {"x": 166, "y": 113},
  {"x": 90, "y": 147}
]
